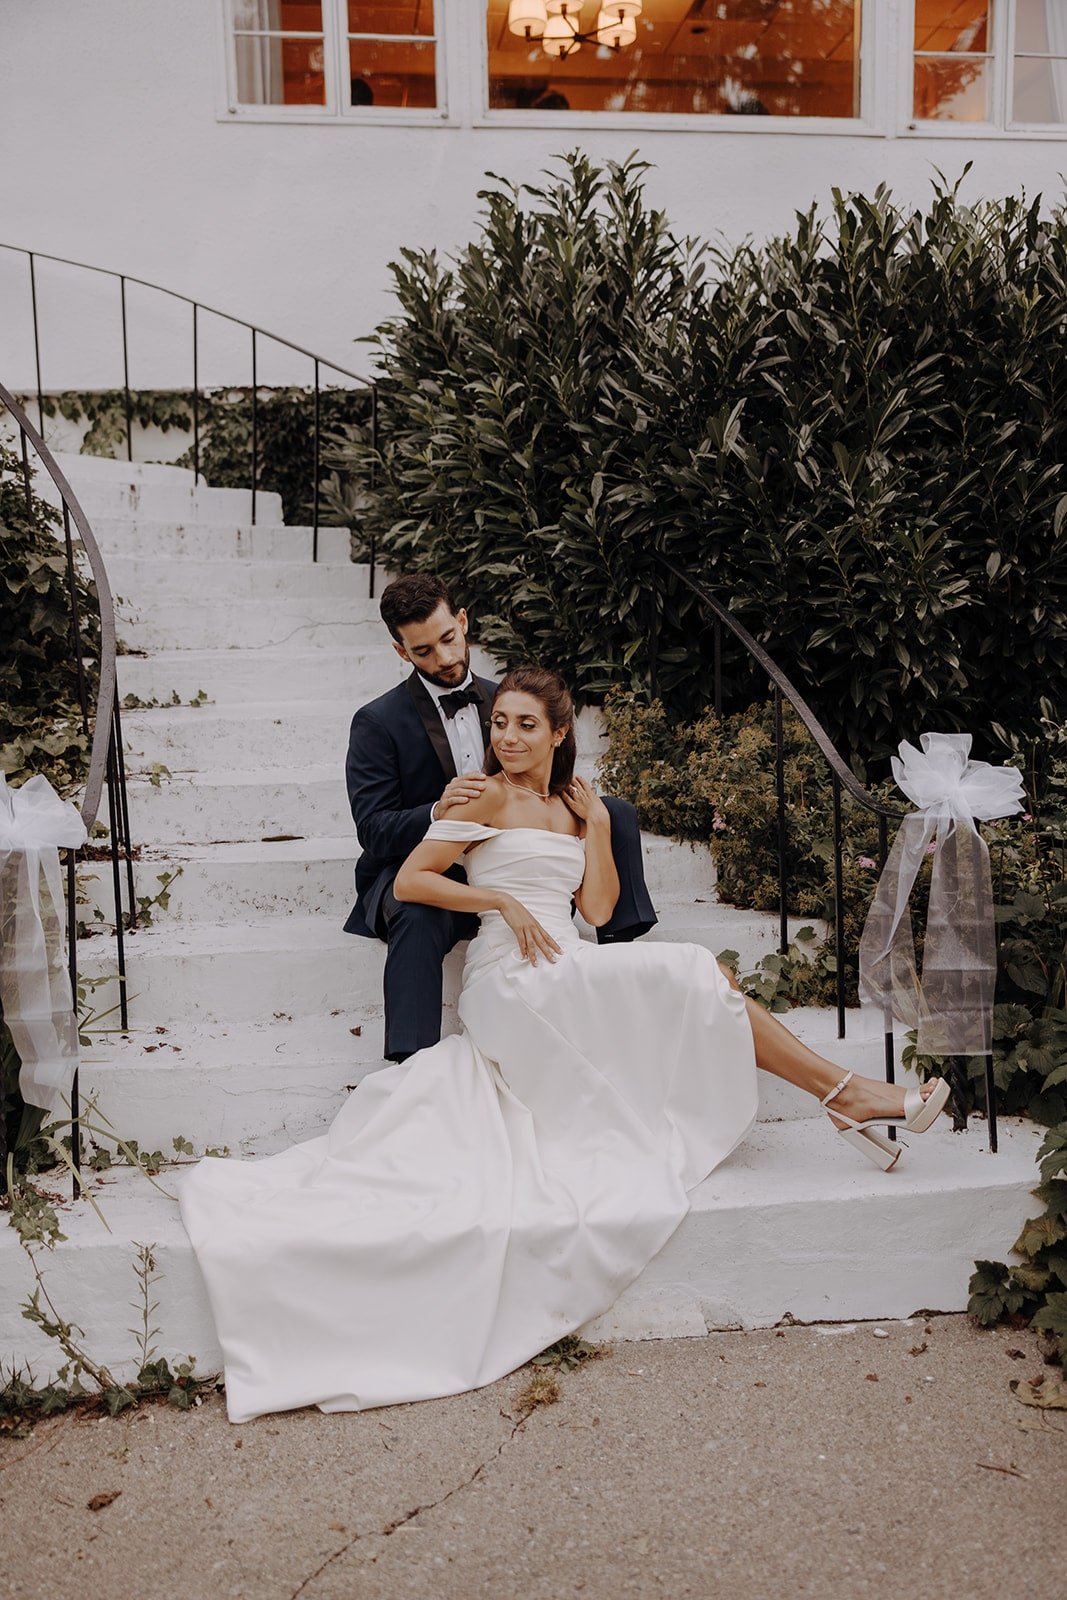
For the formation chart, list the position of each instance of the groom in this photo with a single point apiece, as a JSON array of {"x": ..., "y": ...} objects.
[{"x": 415, "y": 754}]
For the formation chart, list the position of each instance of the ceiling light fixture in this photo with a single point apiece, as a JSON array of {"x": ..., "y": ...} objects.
[{"x": 558, "y": 24}]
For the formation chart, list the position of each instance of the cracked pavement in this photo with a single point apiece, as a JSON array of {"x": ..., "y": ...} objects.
[{"x": 821, "y": 1461}]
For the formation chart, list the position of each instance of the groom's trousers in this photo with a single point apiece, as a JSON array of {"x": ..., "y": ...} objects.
[{"x": 419, "y": 937}]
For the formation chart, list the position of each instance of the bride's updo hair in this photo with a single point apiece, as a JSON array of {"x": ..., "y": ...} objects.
[{"x": 550, "y": 689}]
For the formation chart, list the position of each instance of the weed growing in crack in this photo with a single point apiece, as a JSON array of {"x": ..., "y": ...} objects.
[{"x": 540, "y": 1389}]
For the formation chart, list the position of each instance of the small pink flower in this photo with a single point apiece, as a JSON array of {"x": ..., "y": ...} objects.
[
  {"x": 718, "y": 824},
  {"x": 865, "y": 861},
  {"x": 931, "y": 848},
  {"x": 1027, "y": 817}
]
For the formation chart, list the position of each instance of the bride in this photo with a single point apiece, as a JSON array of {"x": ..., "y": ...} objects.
[{"x": 473, "y": 1204}]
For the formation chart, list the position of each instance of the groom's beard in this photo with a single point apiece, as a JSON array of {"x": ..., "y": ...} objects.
[{"x": 453, "y": 677}]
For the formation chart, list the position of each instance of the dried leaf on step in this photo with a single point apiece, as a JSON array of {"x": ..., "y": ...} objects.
[
  {"x": 99, "y": 1501},
  {"x": 1049, "y": 1393}
]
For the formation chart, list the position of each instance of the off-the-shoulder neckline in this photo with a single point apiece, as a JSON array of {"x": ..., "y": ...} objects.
[{"x": 550, "y": 833}]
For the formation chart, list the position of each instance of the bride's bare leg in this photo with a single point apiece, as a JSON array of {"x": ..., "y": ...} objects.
[{"x": 780, "y": 1052}]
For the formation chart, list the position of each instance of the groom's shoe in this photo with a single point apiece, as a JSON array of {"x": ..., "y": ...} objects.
[{"x": 398, "y": 1055}]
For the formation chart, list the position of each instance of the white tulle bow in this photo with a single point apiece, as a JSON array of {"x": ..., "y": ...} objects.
[
  {"x": 34, "y": 984},
  {"x": 952, "y": 1004}
]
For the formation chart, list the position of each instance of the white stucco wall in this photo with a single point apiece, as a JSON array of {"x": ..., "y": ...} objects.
[{"x": 117, "y": 150}]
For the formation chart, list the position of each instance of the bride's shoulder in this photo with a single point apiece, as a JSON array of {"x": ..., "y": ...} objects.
[{"x": 487, "y": 808}]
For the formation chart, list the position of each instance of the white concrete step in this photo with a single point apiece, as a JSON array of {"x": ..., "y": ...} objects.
[
  {"x": 252, "y": 1087},
  {"x": 679, "y": 870},
  {"x": 236, "y": 883},
  {"x": 145, "y": 540},
  {"x": 128, "y": 495},
  {"x": 189, "y": 739},
  {"x": 238, "y": 972},
  {"x": 238, "y": 677},
  {"x": 752, "y": 934},
  {"x": 95, "y": 470},
  {"x": 257, "y": 1086},
  {"x": 220, "y": 807},
  {"x": 794, "y": 1222},
  {"x": 281, "y": 623},
  {"x": 146, "y": 580}
]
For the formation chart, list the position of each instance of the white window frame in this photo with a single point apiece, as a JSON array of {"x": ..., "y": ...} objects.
[
  {"x": 870, "y": 123},
  {"x": 1056, "y": 130},
  {"x": 1000, "y": 125},
  {"x": 337, "y": 110}
]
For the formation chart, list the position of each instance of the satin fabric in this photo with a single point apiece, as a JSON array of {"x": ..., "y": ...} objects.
[{"x": 475, "y": 1203}]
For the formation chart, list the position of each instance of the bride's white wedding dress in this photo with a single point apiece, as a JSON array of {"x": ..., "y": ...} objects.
[{"x": 477, "y": 1202}]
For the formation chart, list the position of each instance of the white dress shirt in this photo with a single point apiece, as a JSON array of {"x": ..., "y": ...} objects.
[{"x": 463, "y": 731}]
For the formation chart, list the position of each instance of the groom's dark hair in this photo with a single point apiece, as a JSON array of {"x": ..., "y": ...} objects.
[{"x": 412, "y": 598}]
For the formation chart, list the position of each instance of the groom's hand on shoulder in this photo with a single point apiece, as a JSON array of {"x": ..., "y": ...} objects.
[{"x": 459, "y": 792}]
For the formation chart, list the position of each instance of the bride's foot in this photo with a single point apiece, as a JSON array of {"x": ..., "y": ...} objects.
[
  {"x": 860, "y": 1108},
  {"x": 865, "y": 1098}
]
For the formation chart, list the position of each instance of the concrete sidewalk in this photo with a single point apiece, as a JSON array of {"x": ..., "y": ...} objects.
[{"x": 810, "y": 1461}]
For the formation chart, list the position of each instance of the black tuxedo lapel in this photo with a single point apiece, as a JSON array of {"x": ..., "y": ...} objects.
[
  {"x": 430, "y": 718},
  {"x": 485, "y": 706}
]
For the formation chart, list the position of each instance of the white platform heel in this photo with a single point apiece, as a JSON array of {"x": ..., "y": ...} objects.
[{"x": 919, "y": 1114}]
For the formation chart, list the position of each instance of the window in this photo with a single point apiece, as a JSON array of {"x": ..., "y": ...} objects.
[
  {"x": 728, "y": 58},
  {"x": 345, "y": 57},
  {"x": 1039, "y": 65},
  {"x": 280, "y": 54},
  {"x": 991, "y": 61},
  {"x": 391, "y": 54}
]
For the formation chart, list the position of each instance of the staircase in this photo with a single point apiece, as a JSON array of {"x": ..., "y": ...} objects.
[{"x": 252, "y": 1014}]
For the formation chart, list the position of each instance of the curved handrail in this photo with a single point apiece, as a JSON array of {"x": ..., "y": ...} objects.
[
  {"x": 834, "y": 760},
  {"x": 198, "y": 305},
  {"x": 105, "y": 701}
]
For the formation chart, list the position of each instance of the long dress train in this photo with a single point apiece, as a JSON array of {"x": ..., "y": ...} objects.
[{"x": 487, "y": 1196}]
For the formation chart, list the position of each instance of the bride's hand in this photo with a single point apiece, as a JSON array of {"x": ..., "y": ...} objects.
[
  {"x": 584, "y": 801},
  {"x": 531, "y": 938}
]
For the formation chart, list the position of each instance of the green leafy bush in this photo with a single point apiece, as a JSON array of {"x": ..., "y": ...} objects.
[
  {"x": 713, "y": 781},
  {"x": 40, "y": 712},
  {"x": 855, "y": 433}
]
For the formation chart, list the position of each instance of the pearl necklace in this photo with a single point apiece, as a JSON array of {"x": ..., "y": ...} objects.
[{"x": 536, "y": 793}]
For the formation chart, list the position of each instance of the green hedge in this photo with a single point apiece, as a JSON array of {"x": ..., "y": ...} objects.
[
  {"x": 855, "y": 432},
  {"x": 40, "y": 712}
]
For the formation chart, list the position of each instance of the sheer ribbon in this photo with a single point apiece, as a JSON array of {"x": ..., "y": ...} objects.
[
  {"x": 952, "y": 1004},
  {"x": 34, "y": 983}
]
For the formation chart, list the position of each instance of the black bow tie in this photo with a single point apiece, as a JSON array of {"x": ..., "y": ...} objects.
[{"x": 451, "y": 703}]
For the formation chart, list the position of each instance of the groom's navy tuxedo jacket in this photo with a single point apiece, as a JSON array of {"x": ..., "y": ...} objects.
[{"x": 398, "y": 763}]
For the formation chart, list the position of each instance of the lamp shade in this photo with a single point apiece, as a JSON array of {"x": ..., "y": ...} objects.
[
  {"x": 621, "y": 8},
  {"x": 613, "y": 30},
  {"x": 558, "y": 38},
  {"x": 527, "y": 18}
]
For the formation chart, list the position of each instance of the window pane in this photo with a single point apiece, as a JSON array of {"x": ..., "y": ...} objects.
[
  {"x": 1040, "y": 90},
  {"x": 789, "y": 58},
  {"x": 1040, "y": 22},
  {"x": 960, "y": 25},
  {"x": 280, "y": 72},
  {"x": 948, "y": 90},
  {"x": 402, "y": 16},
  {"x": 278, "y": 16},
  {"x": 385, "y": 74}
]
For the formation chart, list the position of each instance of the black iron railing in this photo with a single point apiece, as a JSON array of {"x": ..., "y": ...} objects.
[
  {"x": 198, "y": 311},
  {"x": 842, "y": 780},
  {"x": 101, "y": 722}
]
